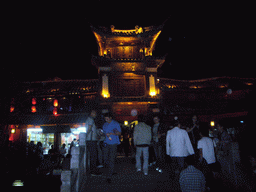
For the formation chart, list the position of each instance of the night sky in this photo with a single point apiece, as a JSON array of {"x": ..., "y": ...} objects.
[{"x": 44, "y": 41}]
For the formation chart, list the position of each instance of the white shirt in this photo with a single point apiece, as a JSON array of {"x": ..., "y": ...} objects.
[
  {"x": 207, "y": 145},
  {"x": 178, "y": 143},
  {"x": 92, "y": 136}
]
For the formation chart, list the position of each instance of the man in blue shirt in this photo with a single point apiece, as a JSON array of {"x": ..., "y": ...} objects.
[{"x": 112, "y": 130}]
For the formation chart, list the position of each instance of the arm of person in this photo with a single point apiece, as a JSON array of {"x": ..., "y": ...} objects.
[
  {"x": 89, "y": 129},
  {"x": 115, "y": 131},
  {"x": 200, "y": 154},
  {"x": 191, "y": 129},
  {"x": 167, "y": 144},
  {"x": 189, "y": 145}
]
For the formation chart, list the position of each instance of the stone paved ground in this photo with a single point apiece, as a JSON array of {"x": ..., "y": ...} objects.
[{"x": 127, "y": 179}]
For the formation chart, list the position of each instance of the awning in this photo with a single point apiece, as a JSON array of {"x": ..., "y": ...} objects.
[
  {"x": 34, "y": 119},
  {"x": 56, "y": 129}
]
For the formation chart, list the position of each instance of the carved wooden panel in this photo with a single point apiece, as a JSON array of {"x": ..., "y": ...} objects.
[
  {"x": 126, "y": 52},
  {"x": 128, "y": 66},
  {"x": 127, "y": 86}
]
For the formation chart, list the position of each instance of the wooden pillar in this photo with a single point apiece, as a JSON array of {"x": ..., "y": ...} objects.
[{"x": 57, "y": 140}]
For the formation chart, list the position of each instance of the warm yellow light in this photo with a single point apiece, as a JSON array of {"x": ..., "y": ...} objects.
[
  {"x": 13, "y": 131},
  {"x": 152, "y": 86},
  {"x": 105, "y": 95},
  {"x": 212, "y": 123},
  {"x": 125, "y": 122},
  {"x": 105, "y": 92},
  {"x": 152, "y": 93}
]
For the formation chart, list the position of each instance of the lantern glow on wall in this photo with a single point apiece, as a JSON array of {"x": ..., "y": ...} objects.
[
  {"x": 33, "y": 109},
  {"x": 33, "y": 101},
  {"x": 55, "y": 111},
  {"x": 55, "y": 103},
  {"x": 11, "y": 109}
]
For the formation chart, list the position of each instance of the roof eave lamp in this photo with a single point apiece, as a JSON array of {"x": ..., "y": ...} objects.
[
  {"x": 152, "y": 86},
  {"x": 105, "y": 92}
]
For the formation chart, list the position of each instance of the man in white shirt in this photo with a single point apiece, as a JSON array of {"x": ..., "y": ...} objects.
[
  {"x": 206, "y": 147},
  {"x": 91, "y": 142},
  {"x": 178, "y": 146}
]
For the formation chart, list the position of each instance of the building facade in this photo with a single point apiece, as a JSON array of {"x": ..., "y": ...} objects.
[{"x": 54, "y": 112}]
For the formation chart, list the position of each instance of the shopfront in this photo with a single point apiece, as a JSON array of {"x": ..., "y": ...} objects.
[{"x": 54, "y": 135}]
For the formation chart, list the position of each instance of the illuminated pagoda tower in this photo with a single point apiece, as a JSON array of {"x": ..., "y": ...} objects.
[{"x": 127, "y": 69}]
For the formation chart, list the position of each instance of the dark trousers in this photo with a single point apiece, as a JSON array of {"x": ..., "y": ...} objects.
[
  {"x": 160, "y": 154},
  {"x": 109, "y": 153},
  {"x": 178, "y": 163},
  {"x": 92, "y": 149}
]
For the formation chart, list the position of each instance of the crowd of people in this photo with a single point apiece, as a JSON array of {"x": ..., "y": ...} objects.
[
  {"x": 190, "y": 149},
  {"x": 192, "y": 154}
]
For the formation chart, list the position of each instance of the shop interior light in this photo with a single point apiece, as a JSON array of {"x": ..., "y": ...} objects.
[
  {"x": 13, "y": 131},
  {"x": 35, "y": 130},
  {"x": 17, "y": 183},
  {"x": 81, "y": 129}
]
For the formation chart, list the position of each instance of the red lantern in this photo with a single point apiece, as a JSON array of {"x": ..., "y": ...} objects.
[
  {"x": 11, "y": 108},
  {"x": 55, "y": 103},
  {"x": 33, "y": 101},
  {"x": 33, "y": 109},
  {"x": 55, "y": 112}
]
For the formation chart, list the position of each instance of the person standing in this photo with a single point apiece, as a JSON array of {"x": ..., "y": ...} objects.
[
  {"x": 224, "y": 139},
  {"x": 206, "y": 147},
  {"x": 91, "y": 142},
  {"x": 191, "y": 179},
  {"x": 193, "y": 132},
  {"x": 159, "y": 131},
  {"x": 178, "y": 146},
  {"x": 142, "y": 138},
  {"x": 112, "y": 130}
]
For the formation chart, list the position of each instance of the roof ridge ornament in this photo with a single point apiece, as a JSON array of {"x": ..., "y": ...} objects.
[{"x": 137, "y": 30}]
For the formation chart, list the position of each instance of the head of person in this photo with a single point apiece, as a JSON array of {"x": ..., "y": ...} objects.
[
  {"x": 141, "y": 118},
  {"x": 156, "y": 119},
  {"x": 194, "y": 119},
  {"x": 220, "y": 127},
  {"x": 93, "y": 113},
  {"x": 204, "y": 131},
  {"x": 39, "y": 144},
  {"x": 190, "y": 160},
  {"x": 108, "y": 117},
  {"x": 176, "y": 123}
]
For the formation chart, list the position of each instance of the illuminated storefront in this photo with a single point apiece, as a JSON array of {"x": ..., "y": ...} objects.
[{"x": 48, "y": 139}]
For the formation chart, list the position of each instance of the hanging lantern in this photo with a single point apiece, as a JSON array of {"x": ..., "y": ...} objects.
[
  {"x": 11, "y": 108},
  {"x": 33, "y": 109},
  {"x": 55, "y": 103},
  {"x": 33, "y": 101},
  {"x": 55, "y": 112}
]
